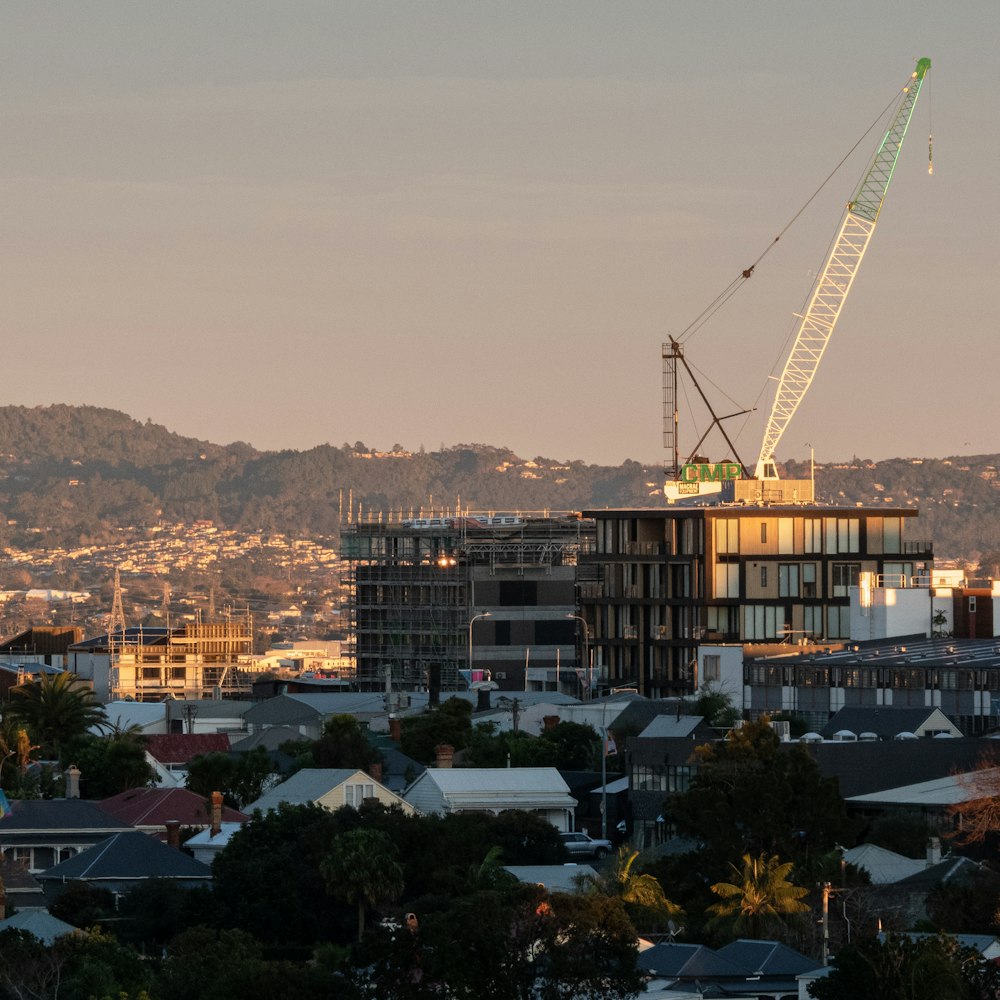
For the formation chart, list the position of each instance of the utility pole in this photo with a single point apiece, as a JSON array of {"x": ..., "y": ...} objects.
[{"x": 826, "y": 923}]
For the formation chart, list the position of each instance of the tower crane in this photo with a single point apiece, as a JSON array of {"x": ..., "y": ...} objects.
[
  {"x": 691, "y": 480},
  {"x": 835, "y": 280}
]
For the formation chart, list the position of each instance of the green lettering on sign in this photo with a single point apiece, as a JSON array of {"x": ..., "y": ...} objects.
[{"x": 719, "y": 472}]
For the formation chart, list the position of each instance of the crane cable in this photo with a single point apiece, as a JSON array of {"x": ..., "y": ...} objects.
[{"x": 730, "y": 290}]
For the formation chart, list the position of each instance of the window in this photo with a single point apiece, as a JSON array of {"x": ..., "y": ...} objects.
[
  {"x": 760, "y": 621},
  {"x": 712, "y": 669},
  {"x": 843, "y": 534},
  {"x": 786, "y": 535},
  {"x": 838, "y": 623},
  {"x": 763, "y": 577},
  {"x": 727, "y": 535},
  {"x": 788, "y": 580},
  {"x": 809, "y": 579},
  {"x": 972, "y": 605},
  {"x": 356, "y": 793},
  {"x": 845, "y": 575},
  {"x": 763, "y": 532},
  {"x": 813, "y": 535},
  {"x": 812, "y": 621},
  {"x": 727, "y": 580}
]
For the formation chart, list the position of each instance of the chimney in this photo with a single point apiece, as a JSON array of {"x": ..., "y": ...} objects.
[
  {"x": 395, "y": 729},
  {"x": 72, "y": 782},
  {"x": 933, "y": 851},
  {"x": 173, "y": 833},
  {"x": 216, "y": 827},
  {"x": 483, "y": 700},
  {"x": 375, "y": 770},
  {"x": 549, "y": 722},
  {"x": 444, "y": 754}
]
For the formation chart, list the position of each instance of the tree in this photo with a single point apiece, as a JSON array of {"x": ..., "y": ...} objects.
[
  {"x": 901, "y": 967},
  {"x": 343, "y": 744},
  {"x": 109, "y": 764},
  {"x": 760, "y": 899},
  {"x": 293, "y": 840},
  {"x": 451, "y": 724},
  {"x": 641, "y": 892},
  {"x": 751, "y": 794},
  {"x": 241, "y": 778},
  {"x": 510, "y": 945},
  {"x": 977, "y": 818},
  {"x": 363, "y": 867},
  {"x": 55, "y": 708}
]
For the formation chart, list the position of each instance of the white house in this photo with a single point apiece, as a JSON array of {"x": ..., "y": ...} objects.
[{"x": 539, "y": 790}]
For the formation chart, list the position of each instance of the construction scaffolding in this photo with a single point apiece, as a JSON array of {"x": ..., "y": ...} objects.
[
  {"x": 411, "y": 586},
  {"x": 197, "y": 660}
]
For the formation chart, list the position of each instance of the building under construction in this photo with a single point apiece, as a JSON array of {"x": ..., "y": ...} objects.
[
  {"x": 197, "y": 660},
  {"x": 446, "y": 601}
]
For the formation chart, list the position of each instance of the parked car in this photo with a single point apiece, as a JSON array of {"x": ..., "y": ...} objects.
[{"x": 579, "y": 845}]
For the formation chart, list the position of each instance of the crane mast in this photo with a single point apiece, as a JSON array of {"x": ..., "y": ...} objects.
[{"x": 835, "y": 280}]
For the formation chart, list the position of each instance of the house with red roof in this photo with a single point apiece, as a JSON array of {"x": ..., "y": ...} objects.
[
  {"x": 151, "y": 809},
  {"x": 170, "y": 753}
]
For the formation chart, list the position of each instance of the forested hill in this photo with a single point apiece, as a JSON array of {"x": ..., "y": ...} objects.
[{"x": 76, "y": 473}]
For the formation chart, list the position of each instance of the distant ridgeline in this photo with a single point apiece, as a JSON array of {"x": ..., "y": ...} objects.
[{"x": 75, "y": 473}]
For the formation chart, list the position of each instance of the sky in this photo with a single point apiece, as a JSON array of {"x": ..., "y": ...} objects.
[{"x": 295, "y": 223}]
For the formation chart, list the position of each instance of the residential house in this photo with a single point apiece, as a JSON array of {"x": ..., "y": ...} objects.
[
  {"x": 307, "y": 713},
  {"x": 887, "y": 722},
  {"x": 150, "y": 809},
  {"x": 122, "y": 861},
  {"x": 538, "y": 790},
  {"x": 170, "y": 753},
  {"x": 44, "y": 832},
  {"x": 331, "y": 788}
]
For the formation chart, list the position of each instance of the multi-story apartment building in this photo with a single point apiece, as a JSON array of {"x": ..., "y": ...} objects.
[
  {"x": 444, "y": 601},
  {"x": 668, "y": 580}
]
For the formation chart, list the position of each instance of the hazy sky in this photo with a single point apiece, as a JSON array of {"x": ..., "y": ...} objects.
[{"x": 292, "y": 223}]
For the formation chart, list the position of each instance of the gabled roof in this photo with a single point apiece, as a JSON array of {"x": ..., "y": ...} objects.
[
  {"x": 42, "y": 925},
  {"x": 950, "y": 869},
  {"x": 126, "y": 856},
  {"x": 306, "y": 786},
  {"x": 488, "y": 787},
  {"x": 885, "y": 721},
  {"x": 57, "y": 815},
  {"x": 883, "y": 866},
  {"x": 180, "y": 748},
  {"x": 766, "y": 958},
  {"x": 205, "y": 838},
  {"x": 687, "y": 961},
  {"x": 156, "y": 806}
]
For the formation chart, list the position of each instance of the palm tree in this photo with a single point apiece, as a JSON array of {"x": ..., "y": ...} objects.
[
  {"x": 641, "y": 893},
  {"x": 760, "y": 897},
  {"x": 362, "y": 867},
  {"x": 55, "y": 708}
]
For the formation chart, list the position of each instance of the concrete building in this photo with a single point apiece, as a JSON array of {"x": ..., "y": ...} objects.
[
  {"x": 669, "y": 580},
  {"x": 442, "y": 602}
]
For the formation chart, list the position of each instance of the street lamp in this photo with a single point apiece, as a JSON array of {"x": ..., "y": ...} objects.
[
  {"x": 472, "y": 621},
  {"x": 586, "y": 651}
]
